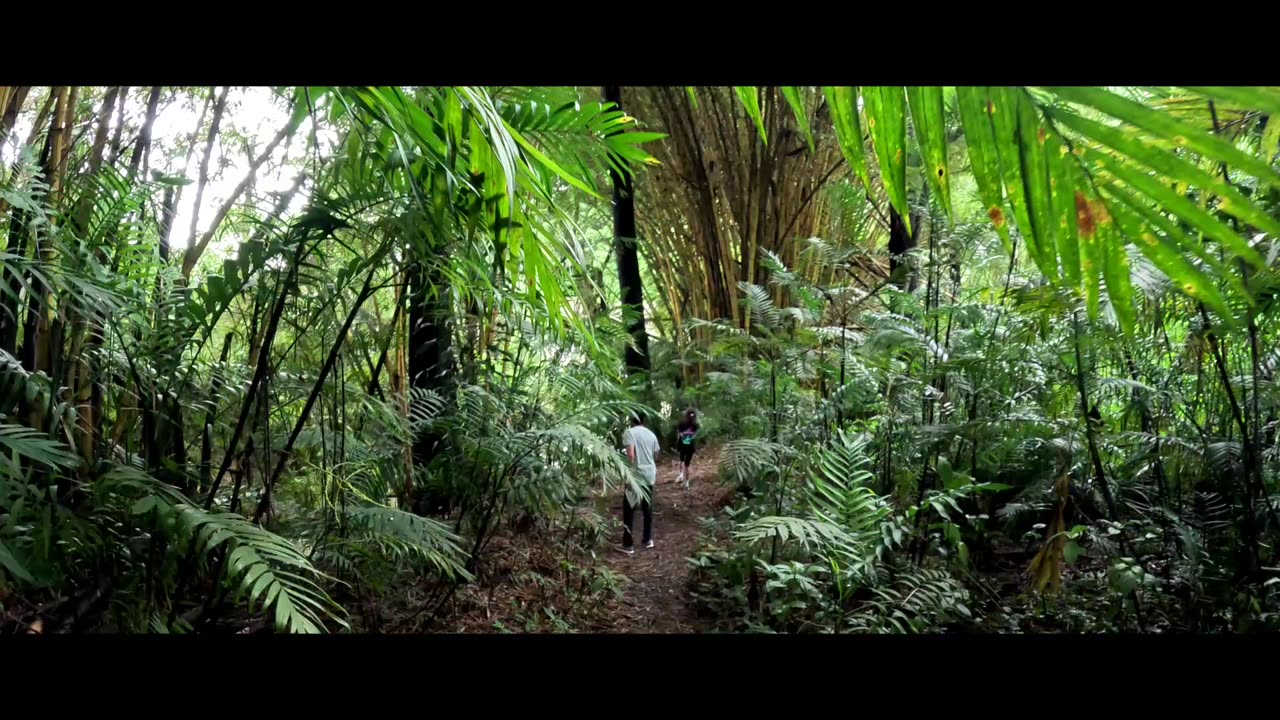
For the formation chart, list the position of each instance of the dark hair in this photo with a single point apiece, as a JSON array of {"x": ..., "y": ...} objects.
[
  {"x": 636, "y": 420},
  {"x": 691, "y": 415}
]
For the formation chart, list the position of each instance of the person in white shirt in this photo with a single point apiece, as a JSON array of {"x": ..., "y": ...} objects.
[{"x": 641, "y": 447}]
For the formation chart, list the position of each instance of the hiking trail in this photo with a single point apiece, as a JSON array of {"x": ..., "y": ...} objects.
[{"x": 656, "y": 595}]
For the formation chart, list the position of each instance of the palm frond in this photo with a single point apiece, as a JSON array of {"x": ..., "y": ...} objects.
[
  {"x": 402, "y": 535},
  {"x": 1043, "y": 166},
  {"x": 267, "y": 570}
]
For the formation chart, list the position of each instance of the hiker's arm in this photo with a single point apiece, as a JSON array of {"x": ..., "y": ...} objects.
[{"x": 628, "y": 446}]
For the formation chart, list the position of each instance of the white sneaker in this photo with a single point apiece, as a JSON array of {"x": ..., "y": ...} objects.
[
  {"x": 649, "y": 545},
  {"x": 680, "y": 479}
]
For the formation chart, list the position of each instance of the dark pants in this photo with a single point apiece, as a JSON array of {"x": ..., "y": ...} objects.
[
  {"x": 686, "y": 454},
  {"x": 629, "y": 516}
]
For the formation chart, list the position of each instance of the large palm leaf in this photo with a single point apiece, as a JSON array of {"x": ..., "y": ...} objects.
[
  {"x": 502, "y": 158},
  {"x": 1082, "y": 172}
]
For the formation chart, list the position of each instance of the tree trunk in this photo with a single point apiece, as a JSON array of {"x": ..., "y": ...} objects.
[
  {"x": 117, "y": 133},
  {"x": 21, "y": 235},
  {"x": 431, "y": 365},
  {"x": 624, "y": 232},
  {"x": 36, "y": 352},
  {"x": 87, "y": 336},
  {"x": 11, "y": 100},
  {"x": 218, "y": 107},
  {"x": 142, "y": 146},
  {"x": 901, "y": 242}
]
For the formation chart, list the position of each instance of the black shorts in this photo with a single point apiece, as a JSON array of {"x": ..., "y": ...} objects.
[{"x": 686, "y": 453}]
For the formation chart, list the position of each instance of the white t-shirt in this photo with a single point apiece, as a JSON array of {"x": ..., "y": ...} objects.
[{"x": 646, "y": 445}]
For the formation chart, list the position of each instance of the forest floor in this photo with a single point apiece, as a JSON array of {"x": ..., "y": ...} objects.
[
  {"x": 548, "y": 577},
  {"x": 539, "y": 582},
  {"x": 656, "y": 593}
]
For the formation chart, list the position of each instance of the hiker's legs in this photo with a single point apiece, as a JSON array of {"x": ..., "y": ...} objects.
[
  {"x": 686, "y": 457},
  {"x": 646, "y": 506},
  {"x": 628, "y": 516}
]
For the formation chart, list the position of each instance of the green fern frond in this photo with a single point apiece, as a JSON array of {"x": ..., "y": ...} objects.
[
  {"x": 266, "y": 570},
  {"x": 764, "y": 313},
  {"x": 745, "y": 460},
  {"x": 917, "y": 600},
  {"x": 405, "y": 535},
  {"x": 837, "y": 492},
  {"x": 36, "y": 446},
  {"x": 809, "y": 534}
]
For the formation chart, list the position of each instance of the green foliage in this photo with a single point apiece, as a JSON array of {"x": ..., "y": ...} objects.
[
  {"x": 1033, "y": 154},
  {"x": 265, "y": 569},
  {"x": 916, "y": 601},
  {"x": 1069, "y": 386},
  {"x": 269, "y": 483},
  {"x": 836, "y": 546},
  {"x": 965, "y": 403}
]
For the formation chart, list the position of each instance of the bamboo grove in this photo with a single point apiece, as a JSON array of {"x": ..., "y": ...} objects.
[{"x": 976, "y": 359}]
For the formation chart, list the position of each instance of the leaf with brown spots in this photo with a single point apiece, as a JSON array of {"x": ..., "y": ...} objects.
[
  {"x": 1062, "y": 188},
  {"x": 1187, "y": 211},
  {"x": 1084, "y": 216},
  {"x": 1034, "y": 169},
  {"x": 929, "y": 123},
  {"x": 1003, "y": 106},
  {"x": 1090, "y": 257},
  {"x": 886, "y": 110},
  {"x": 1115, "y": 268},
  {"x": 981, "y": 141},
  {"x": 1186, "y": 174},
  {"x": 1168, "y": 127},
  {"x": 1164, "y": 253}
]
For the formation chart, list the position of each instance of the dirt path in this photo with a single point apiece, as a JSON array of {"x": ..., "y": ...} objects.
[{"x": 656, "y": 596}]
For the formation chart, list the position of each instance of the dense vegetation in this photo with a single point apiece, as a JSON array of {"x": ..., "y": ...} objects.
[{"x": 973, "y": 359}]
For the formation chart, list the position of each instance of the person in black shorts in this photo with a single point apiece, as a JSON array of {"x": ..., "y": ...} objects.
[{"x": 686, "y": 436}]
